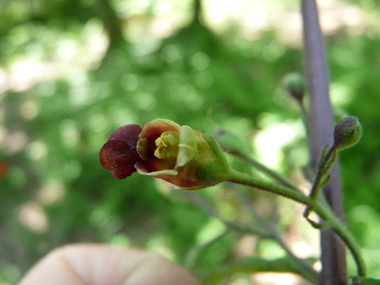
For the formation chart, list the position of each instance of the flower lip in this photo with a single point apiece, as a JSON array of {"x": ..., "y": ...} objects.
[
  {"x": 128, "y": 134},
  {"x": 119, "y": 154}
]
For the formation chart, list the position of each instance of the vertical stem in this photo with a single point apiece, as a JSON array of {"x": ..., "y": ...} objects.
[
  {"x": 197, "y": 11},
  {"x": 321, "y": 129},
  {"x": 107, "y": 14}
]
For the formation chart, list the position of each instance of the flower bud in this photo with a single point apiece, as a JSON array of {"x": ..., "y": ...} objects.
[
  {"x": 347, "y": 133},
  {"x": 295, "y": 85}
]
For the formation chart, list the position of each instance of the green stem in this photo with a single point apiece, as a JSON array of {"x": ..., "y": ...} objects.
[
  {"x": 265, "y": 170},
  {"x": 244, "y": 179},
  {"x": 318, "y": 176},
  {"x": 325, "y": 214}
]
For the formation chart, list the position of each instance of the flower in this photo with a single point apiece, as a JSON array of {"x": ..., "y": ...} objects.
[{"x": 163, "y": 149}]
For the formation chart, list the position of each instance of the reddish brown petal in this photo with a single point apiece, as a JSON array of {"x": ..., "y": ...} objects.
[
  {"x": 117, "y": 157},
  {"x": 128, "y": 134}
]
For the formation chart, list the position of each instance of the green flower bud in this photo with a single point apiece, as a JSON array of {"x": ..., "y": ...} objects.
[
  {"x": 295, "y": 85},
  {"x": 347, "y": 133}
]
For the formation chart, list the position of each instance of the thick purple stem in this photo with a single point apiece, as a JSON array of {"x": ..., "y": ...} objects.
[{"x": 333, "y": 256}]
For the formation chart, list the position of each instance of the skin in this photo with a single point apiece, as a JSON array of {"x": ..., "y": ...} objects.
[{"x": 93, "y": 264}]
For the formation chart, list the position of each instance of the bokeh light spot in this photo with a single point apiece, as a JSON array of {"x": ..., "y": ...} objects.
[
  {"x": 130, "y": 82},
  {"x": 120, "y": 240},
  {"x": 99, "y": 217},
  {"x": 51, "y": 194},
  {"x": 72, "y": 169},
  {"x": 33, "y": 216},
  {"x": 28, "y": 110},
  {"x": 17, "y": 176},
  {"x": 16, "y": 142},
  {"x": 172, "y": 53},
  {"x": 158, "y": 244},
  {"x": 36, "y": 150},
  {"x": 210, "y": 230},
  {"x": 204, "y": 79},
  {"x": 145, "y": 101},
  {"x": 200, "y": 60},
  {"x": 69, "y": 133}
]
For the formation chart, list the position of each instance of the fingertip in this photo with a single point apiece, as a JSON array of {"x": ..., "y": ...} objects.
[{"x": 94, "y": 264}]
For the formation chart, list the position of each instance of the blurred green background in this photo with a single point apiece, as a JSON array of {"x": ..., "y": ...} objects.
[{"x": 72, "y": 71}]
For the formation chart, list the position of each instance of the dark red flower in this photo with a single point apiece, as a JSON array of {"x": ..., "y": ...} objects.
[{"x": 165, "y": 150}]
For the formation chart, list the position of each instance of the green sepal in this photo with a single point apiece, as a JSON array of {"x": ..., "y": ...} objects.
[
  {"x": 323, "y": 153},
  {"x": 218, "y": 152},
  {"x": 329, "y": 163},
  {"x": 325, "y": 181},
  {"x": 217, "y": 170}
]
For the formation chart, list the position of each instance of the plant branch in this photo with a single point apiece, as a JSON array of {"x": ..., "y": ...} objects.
[
  {"x": 198, "y": 200},
  {"x": 307, "y": 271},
  {"x": 324, "y": 213}
]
